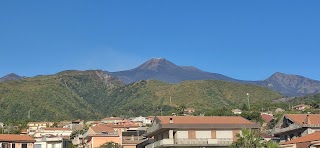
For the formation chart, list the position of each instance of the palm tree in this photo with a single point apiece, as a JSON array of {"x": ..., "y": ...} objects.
[{"x": 248, "y": 138}]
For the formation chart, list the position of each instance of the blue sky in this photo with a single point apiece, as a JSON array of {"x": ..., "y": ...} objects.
[{"x": 242, "y": 39}]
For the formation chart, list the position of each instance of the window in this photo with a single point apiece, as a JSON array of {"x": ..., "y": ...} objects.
[
  {"x": 5, "y": 145},
  {"x": 13, "y": 145},
  {"x": 182, "y": 134},
  {"x": 203, "y": 134},
  {"x": 37, "y": 146},
  {"x": 224, "y": 134},
  {"x": 24, "y": 145}
]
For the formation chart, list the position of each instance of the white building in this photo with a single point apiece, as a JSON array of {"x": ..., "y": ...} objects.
[
  {"x": 143, "y": 120},
  {"x": 53, "y": 132},
  {"x": 51, "y": 142}
]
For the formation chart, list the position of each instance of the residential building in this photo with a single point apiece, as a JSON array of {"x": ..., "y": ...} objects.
[
  {"x": 143, "y": 120},
  {"x": 266, "y": 117},
  {"x": 279, "y": 110},
  {"x": 196, "y": 131},
  {"x": 66, "y": 132},
  {"x": 236, "y": 111},
  {"x": 301, "y": 107},
  {"x": 111, "y": 120},
  {"x": 308, "y": 141},
  {"x": 16, "y": 141},
  {"x": 99, "y": 135},
  {"x": 131, "y": 138},
  {"x": 292, "y": 126},
  {"x": 75, "y": 125},
  {"x": 34, "y": 126},
  {"x": 189, "y": 111},
  {"x": 52, "y": 142},
  {"x": 1, "y": 125}
]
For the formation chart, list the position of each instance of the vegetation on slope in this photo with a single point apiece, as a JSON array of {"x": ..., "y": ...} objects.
[
  {"x": 148, "y": 97},
  {"x": 93, "y": 94},
  {"x": 55, "y": 97}
]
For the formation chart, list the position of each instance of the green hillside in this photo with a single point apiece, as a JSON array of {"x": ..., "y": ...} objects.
[
  {"x": 66, "y": 95},
  {"x": 147, "y": 97},
  {"x": 93, "y": 94}
]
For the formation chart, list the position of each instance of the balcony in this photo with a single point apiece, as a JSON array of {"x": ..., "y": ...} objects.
[
  {"x": 289, "y": 128},
  {"x": 161, "y": 143},
  {"x": 153, "y": 128},
  {"x": 191, "y": 142}
]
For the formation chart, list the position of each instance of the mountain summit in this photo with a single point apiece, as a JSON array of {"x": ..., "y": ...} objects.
[
  {"x": 10, "y": 77},
  {"x": 158, "y": 64},
  {"x": 292, "y": 85},
  {"x": 164, "y": 70}
]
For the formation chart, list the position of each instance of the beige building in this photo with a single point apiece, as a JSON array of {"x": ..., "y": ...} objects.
[
  {"x": 99, "y": 135},
  {"x": 196, "y": 131},
  {"x": 16, "y": 141}
]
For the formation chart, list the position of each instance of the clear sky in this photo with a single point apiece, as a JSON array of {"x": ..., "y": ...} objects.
[{"x": 242, "y": 39}]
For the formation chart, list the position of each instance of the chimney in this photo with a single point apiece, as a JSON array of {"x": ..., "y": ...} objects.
[
  {"x": 170, "y": 121},
  {"x": 308, "y": 119}
]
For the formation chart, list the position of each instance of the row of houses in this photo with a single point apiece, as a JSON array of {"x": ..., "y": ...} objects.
[
  {"x": 292, "y": 130},
  {"x": 166, "y": 131}
]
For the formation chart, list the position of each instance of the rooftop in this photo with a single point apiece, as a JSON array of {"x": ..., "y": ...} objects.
[
  {"x": 311, "y": 137},
  {"x": 98, "y": 129},
  {"x": 302, "y": 118},
  {"x": 15, "y": 138},
  {"x": 203, "y": 120}
]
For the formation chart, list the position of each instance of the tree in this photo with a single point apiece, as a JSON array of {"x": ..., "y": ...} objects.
[
  {"x": 111, "y": 145},
  {"x": 272, "y": 144},
  {"x": 248, "y": 138}
]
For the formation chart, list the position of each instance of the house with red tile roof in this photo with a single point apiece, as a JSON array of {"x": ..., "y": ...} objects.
[
  {"x": 16, "y": 141},
  {"x": 311, "y": 140},
  {"x": 301, "y": 107},
  {"x": 99, "y": 135},
  {"x": 196, "y": 131},
  {"x": 111, "y": 120},
  {"x": 292, "y": 126}
]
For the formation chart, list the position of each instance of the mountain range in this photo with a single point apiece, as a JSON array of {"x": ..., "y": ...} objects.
[
  {"x": 166, "y": 71},
  {"x": 94, "y": 94}
]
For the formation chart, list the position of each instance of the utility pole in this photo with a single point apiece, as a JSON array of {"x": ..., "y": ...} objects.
[
  {"x": 248, "y": 101},
  {"x": 29, "y": 114},
  {"x": 170, "y": 100}
]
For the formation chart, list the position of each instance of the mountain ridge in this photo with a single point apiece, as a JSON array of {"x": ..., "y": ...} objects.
[{"x": 164, "y": 70}]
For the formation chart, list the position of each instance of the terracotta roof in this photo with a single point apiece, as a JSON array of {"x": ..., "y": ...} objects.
[
  {"x": 57, "y": 129},
  {"x": 102, "y": 128},
  {"x": 12, "y": 138},
  {"x": 24, "y": 131},
  {"x": 311, "y": 137},
  {"x": 204, "y": 120},
  {"x": 78, "y": 120},
  {"x": 112, "y": 118},
  {"x": 267, "y": 118},
  {"x": 302, "y": 118}
]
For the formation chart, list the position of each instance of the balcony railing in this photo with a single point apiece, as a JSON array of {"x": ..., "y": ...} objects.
[
  {"x": 199, "y": 141},
  {"x": 153, "y": 128},
  {"x": 162, "y": 142},
  {"x": 289, "y": 128}
]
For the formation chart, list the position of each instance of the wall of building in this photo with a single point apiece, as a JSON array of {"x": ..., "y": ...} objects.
[{"x": 98, "y": 141}]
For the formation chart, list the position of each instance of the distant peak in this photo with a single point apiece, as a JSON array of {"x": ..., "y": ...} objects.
[
  {"x": 12, "y": 75},
  {"x": 156, "y": 63}
]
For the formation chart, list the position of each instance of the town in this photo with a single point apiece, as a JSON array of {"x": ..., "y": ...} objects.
[{"x": 185, "y": 130}]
